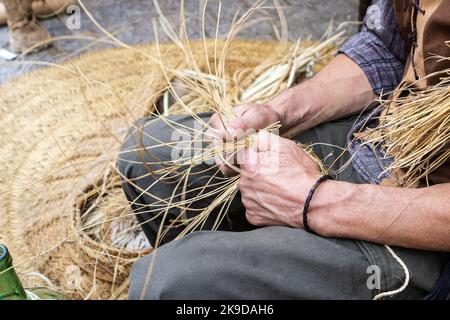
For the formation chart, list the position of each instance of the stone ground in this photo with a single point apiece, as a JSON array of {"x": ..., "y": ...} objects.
[{"x": 131, "y": 22}]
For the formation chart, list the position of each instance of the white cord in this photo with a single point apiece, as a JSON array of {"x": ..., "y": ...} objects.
[
  {"x": 405, "y": 283},
  {"x": 32, "y": 296}
]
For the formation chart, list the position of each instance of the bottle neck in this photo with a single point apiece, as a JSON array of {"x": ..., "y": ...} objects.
[{"x": 10, "y": 286}]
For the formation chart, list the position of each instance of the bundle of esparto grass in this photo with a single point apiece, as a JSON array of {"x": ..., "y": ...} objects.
[{"x": 414, "y": 131}]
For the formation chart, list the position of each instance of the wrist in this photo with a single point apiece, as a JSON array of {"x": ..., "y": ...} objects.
[
  {"x": 298, "y": 106},
  {"x": 284, "y": 105},
  {"x": 330, "y": 209}
]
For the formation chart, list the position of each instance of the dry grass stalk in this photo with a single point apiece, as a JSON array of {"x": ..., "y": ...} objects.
[{"x": 415, "y": 132}]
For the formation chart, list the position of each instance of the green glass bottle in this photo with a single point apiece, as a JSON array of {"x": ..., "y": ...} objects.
[{"x": 11, "y": 288}]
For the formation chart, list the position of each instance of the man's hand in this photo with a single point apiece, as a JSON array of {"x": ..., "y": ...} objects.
[
  {"x": 248, "y": 117},
  {"x": 276, "y": 178}
]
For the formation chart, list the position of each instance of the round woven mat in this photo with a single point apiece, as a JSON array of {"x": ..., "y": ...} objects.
[{"x": 61, "y": 129}]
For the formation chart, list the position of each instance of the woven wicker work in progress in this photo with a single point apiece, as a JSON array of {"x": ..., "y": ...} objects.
[{"x": 61, "y": 130}]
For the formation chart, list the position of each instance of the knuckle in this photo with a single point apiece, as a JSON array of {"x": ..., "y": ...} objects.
[
  {"x": 246, "y": 203},
  {"x": 243, "y": 184},
  {"x": 250, "y": 167},
  {"x": 250, "y": 217},
  {"x": 254, "y": 111},
  {"x": 240, "y": 124},
  {"x": 241, "y": 109},
  {"x": 213, "y": 118}
]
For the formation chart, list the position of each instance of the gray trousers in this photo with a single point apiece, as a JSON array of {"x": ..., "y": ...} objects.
[{"x": 244, "y": 262}]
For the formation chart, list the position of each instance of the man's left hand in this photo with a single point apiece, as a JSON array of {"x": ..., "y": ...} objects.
[{"x": 277, "y": 176}]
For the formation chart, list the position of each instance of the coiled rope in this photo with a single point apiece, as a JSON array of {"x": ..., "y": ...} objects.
[{"x": 405, "y": 283}]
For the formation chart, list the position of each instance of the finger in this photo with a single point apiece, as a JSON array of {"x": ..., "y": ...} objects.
[
  {"x": 225, "y": 161},
  {"x": 227, "y": 166},
  {"x": 227, "y": 171},
  {"x": 248, "y": 160},
  {"x": 217, "y": 127},
  {"x": 266, "y": 141},
  {"x": 243, "y": 125},
  {"x": 244, "y": 183},
  {"x": 250, "y": 118},
  {"x": 260, "y": 116},
  {"x": 212, "y": 134}
]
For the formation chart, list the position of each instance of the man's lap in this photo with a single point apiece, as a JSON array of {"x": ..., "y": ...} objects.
[{"x": 267, "y": 263}]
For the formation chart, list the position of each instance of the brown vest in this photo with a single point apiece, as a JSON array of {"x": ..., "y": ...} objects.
[{"x": 425, "y": 25}]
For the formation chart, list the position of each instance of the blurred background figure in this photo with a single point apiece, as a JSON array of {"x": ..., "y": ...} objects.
[{"x": 21, "y": 17}]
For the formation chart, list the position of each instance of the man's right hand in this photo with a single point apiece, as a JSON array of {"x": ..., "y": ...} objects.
[{"x": 248, "y": 117}]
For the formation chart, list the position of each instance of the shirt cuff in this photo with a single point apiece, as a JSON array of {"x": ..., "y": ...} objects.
[{"x": 383, "y": 70}]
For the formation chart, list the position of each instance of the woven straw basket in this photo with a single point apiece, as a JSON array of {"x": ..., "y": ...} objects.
[{"x": 61, "y": 129}]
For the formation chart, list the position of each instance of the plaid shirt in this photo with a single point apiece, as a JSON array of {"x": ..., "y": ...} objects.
[{"x": 381, "y": 53}]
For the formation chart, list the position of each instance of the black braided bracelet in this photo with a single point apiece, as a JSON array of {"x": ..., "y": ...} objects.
[{"x": 308, "y": 201}]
